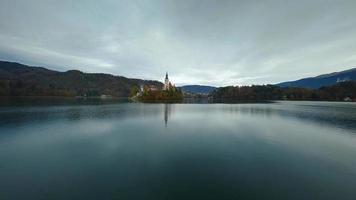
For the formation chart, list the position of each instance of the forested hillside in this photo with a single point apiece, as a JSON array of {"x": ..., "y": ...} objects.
[{"x": 21, "y": 80}]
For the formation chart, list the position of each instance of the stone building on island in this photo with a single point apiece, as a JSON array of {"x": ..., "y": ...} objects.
[{"x": 167, "y": 84}]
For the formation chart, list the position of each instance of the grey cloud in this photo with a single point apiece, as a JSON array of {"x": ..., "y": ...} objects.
[{"x": 203, "y": 42}]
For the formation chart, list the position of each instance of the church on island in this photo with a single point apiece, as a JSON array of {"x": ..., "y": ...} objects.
[
  {"x": 152, "y": 93},
  {"x": 167, "y": 86}
]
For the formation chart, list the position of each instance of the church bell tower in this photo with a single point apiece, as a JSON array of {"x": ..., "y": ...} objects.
[{"x": 166, "y": 82}]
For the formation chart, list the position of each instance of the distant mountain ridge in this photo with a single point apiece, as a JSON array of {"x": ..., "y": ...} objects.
[
  {"x": 322, "y": 80},
  {"x": 198, "y": 89},
  {"x": 22, "y": 80}
]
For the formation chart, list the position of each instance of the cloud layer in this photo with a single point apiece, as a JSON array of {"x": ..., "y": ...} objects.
[{"x": 211, "y": 42}]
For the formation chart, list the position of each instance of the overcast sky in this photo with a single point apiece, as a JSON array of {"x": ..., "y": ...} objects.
[{"x": 214, "y": 42}]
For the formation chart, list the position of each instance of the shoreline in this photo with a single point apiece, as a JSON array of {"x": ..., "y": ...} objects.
[{"x": 188, "y": 100}]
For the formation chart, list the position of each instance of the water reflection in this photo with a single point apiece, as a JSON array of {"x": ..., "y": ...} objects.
[
  {"x": 332, "y": 114},
  {"x": 341, "y": 115},
  {"x": 211, "y": 151},
  {"x": 167, "y": 113}
]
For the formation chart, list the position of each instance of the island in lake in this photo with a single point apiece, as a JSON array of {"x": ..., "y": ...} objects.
[
  {"x": 22, "y": 80},
  {"x": 151, "y": 93}
]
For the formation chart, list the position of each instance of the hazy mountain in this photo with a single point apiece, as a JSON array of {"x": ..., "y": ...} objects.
[
  {"x": 198, "y": 89},
  {"x": 322, "y": 80},
  {"x": 21, "y": 80}
]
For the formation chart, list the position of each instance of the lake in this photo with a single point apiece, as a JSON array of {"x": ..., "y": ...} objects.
[{"x": 54, "y": 149}]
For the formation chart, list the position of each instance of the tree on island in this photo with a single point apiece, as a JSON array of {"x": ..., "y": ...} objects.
[{"x": 171, "y": 94}]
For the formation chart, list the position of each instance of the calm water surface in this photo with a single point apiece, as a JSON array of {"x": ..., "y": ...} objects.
[{"x": 282, "y": 150}]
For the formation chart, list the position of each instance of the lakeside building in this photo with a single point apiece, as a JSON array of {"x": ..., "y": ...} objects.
[{"x": 152, "y": 88}]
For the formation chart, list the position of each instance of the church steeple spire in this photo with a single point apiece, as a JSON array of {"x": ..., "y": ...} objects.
[{"x": 166, "y": 82}]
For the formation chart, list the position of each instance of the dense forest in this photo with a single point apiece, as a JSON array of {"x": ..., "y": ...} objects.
[
  {"x": 343, "y": 91},
  {"x": 21, "y": 80}
]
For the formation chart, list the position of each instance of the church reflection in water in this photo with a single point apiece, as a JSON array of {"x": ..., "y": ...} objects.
[{"x": 167, "y": 113}]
